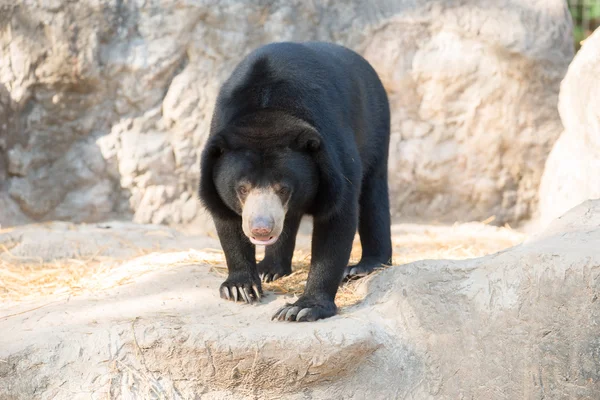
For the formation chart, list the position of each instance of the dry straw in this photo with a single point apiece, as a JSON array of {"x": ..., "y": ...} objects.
[{"x": 22, "y": 279}]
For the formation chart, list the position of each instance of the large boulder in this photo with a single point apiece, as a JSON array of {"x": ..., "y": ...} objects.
[
  {"x": 522, "y": 323},
  {"x": 572, "y": 170},
  {"x": 113, "y": 99}
]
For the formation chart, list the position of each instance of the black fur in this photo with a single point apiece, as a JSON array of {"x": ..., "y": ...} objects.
[{"x": 316, "y": 117}]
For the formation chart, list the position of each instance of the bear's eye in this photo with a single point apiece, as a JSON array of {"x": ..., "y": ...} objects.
[
  {"x": 284, "y": 191},
  {"x": 242, "y": 190}
]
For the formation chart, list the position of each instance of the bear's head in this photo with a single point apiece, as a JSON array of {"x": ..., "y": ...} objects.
[{"x": 263, "y": 168}]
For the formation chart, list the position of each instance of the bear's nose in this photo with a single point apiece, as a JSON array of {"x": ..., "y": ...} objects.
[{"x": 261, "y": 227}]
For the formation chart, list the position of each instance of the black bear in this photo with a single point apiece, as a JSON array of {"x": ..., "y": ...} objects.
[{"x": 299, "y": 128}]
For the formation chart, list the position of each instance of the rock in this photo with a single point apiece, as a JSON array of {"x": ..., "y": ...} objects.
[
  {"x": 134, "y": 83},
  {"x": 573, "y": 167},
  {"x": 18, "y": 160},
  {"x": 521, "y": 323},
  {"x": 10, "y": 213}
]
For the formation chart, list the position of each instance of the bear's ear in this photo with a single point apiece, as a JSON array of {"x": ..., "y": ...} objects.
[
  {"x": 209, "y": 196},
  {"x": 215, "y": 147},
  {"x": 332, "y": 186},
  {"x": 308, "y": 138}
]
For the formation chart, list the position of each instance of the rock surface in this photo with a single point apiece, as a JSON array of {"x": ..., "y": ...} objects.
[
  {"x": 573, "y": 166},
  {"x": 108, "y": 102},
  {"x": 521, "y": 323}
]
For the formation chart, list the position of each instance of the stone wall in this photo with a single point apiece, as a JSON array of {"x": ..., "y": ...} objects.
[{"x": 108, "y": 102}]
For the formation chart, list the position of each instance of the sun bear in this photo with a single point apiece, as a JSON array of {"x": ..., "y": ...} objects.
[{"x": 299, "y": 128}]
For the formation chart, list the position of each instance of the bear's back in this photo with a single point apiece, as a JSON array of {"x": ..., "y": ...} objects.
[{"x": 327, "y": 85}]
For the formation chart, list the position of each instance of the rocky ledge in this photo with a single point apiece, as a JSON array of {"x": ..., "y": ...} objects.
[{"x": 521, "y": 323}]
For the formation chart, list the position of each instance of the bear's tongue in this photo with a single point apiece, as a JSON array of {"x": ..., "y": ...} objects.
[{"x": 267, "y": 242}]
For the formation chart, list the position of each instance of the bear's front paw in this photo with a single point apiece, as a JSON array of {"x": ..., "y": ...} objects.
[
  {"x": 241, "y": 287},
  {"x": 270, "y": 271},
  {"x": 306, "y": 309},
  {"x": 362, "y": 269}
]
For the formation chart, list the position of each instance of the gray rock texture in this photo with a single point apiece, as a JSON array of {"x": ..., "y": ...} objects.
[
  {"x": 572, "y": 172},
  {"x": 518, "y": 324},
  {"x": 107, "y": 103}
]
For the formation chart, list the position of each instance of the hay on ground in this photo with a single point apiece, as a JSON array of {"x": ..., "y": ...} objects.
[{"x": 25, "y": 279}]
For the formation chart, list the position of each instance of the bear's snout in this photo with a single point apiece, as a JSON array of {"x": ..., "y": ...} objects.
[
  {"x": 261, "y": 230},
  {"x": 262, "y": 227},
  {"x": 263, "y": 215}
]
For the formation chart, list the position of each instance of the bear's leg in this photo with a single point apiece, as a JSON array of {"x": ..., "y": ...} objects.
[
  {"x": 374, "y": 226},
  {"x": 278, "y": 256},
  {"x": 331, "y": 246},
  {"x": 243, "y": 283}
]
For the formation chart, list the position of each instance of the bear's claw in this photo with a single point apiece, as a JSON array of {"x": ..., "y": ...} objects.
[
  {"x": 269, "y": 277},
  {"x": 361, "y": 270},
  {"x": 241, "y": 292},
  {"x": 269, "y": 271},
  {"x": 305, "y": 310}
]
